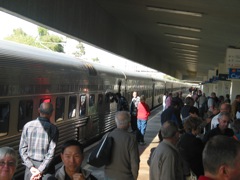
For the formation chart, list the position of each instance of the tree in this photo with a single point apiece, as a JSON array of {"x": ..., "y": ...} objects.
[
  {"x": 49, "y": 41},
  {"x": 21, "y": 37},
  {"x": 43, "y": 40},
  {"x": 80, "y": 50},
  {"x": 96, "y": 59}
]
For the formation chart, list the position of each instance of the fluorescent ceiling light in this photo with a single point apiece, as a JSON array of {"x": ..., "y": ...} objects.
[
  {"x": 174, "y": 11},
  {"x": 182, "y": 37},
  {"x": 186, "y": 55},
  {"x": 179, "y": 27},
  {"x": 184, "y": 44},
  {"x": 186, "y": 50}
]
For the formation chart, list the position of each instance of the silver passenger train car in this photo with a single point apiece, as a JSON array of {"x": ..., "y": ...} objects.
[{"x": 82, "y": 93}]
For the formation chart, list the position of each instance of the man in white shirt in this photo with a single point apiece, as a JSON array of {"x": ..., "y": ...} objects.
[{"x": 225, "y": 107}]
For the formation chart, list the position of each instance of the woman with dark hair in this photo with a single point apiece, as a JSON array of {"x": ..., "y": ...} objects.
[{"x": 191, "y": 147}]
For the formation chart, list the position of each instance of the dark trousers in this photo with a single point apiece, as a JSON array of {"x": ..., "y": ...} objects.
[
  {"x": 134, "y": 123},
  {"x": 49, "y": 173}
]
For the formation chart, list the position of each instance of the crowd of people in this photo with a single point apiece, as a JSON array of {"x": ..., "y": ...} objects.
[
  {"x": 200, "y": 123},
  {"x": 199, "y": 137}
]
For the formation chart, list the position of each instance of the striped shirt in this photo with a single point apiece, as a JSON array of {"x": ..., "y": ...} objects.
[{"x": 38, "y": 142}]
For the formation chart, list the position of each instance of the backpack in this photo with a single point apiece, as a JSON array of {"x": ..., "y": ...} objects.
[
  {"x": 123, "y": 104},
  {"x": 101, "y": 154}
]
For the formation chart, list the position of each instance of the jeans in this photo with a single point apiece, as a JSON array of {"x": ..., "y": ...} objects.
[{"x": 142, "y": 125}]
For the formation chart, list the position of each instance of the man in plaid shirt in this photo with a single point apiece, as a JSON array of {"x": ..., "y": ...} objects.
[{"x": 37, "y": 146}]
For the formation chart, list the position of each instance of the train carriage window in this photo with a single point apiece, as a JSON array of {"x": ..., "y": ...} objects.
[
  {"x": 72, "y": 106},
  {"x": 45, "y": 100},
  {"x": 25, "y": 112},
  {"x": 82, "y": 105},
  {"x": 4, "y": 118},
  {"x": 60, "y": 106}
]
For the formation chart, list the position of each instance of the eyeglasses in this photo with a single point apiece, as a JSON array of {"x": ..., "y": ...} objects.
[{"x": 9, "y": 163}]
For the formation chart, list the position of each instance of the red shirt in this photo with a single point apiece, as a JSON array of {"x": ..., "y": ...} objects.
[
  {"x": 204, "y": 178},
  {"x": 143, "y": 111}
]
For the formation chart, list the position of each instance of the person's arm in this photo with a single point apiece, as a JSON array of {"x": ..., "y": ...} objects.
[
  {"x": 134, "y": 159},
  {"x": 23, "y": 148},
  {"x": 51, "y": 150}
]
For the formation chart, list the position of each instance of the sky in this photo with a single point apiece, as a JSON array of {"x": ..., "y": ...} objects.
[{"x": 10, "y": 22}]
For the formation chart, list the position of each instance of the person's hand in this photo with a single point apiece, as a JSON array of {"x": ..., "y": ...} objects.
[
  {"x": 36, "y": 175},
  {"x": 78, "y": 176}
]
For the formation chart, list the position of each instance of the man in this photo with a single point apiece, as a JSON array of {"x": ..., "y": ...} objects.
[
  {"x": 225, "y": 107},
  {"x": 212, "y": 101},
  {"x": 222, "y": 127},
  {"x": 72, "y": 158},
  {"x": 133, "y": 110},
  {"x": 125, "y": 155},
  {"x": 166, "y": 163},
  {"x": 221, "y": 159},
  {"x": 37, "y": 145},
  {"x": 235, "y": 105}
]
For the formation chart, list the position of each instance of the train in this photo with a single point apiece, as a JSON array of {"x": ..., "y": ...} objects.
[{"x": 81, "y": 92}]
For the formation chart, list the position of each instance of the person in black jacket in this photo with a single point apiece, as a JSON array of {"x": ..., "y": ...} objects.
[{"x": 191, "y": 147}]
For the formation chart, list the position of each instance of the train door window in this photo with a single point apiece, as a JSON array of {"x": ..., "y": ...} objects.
[
  {"x": 59, "y": 110},
  {"x": 92, "y": 107},
  {"x": 25, "y": 112},
  {"x": 4, "y": 118},
  {"x": 91, "y": 100},
  {"x": 100, "y": 99},
  {"x": 72, "y": 106},
  {"x": 82, "y": 105}
]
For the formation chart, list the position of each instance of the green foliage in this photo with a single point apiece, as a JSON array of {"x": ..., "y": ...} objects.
[
  {"x": 44, "y": 40},
  {"x": 80, "y": 50},
  {"x": 21, "y": 37},
  {"x": 96, "y": 59}
]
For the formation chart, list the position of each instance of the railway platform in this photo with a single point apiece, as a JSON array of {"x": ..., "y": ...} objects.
[{"x": 151, "y": 139}]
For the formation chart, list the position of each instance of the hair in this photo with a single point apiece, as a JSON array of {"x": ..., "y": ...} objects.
[
  {"x": 72, "y": 142},
  {"x": 122, "y": 119},
  {"x": 142, "y": 98},
  {"x": 169, "y": 129},
  {"x": 192, "y": 123},
  {"x": 220, "y": 150},
  {"x": 227, "y": 106},
  {"x": 237, "y": 96},
  {"x": 221, "y": 114},
  {"x": 189, "y": 101},
  {"x": 46, "y": 109},
  {"x": 194, "y": 110},
  {"x": 4, "y": 151}
]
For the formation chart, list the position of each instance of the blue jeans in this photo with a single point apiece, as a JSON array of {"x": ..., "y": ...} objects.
[{"x": 142, "y": 125}]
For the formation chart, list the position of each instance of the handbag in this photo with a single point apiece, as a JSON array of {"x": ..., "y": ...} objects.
[{"x": 101, "y": 154}]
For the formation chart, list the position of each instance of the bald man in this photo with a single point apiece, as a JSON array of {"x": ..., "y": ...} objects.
[{"x": 37, "y": 145}]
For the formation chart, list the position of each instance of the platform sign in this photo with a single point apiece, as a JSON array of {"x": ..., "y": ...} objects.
[
  {"x": 233, "y": 58},
  {"x": 234, "y": 73}
]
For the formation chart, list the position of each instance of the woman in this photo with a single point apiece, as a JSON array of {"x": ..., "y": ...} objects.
[
  {"x": 191, "y": 147},
  {"x": 8, "y": 163},
  {"x": 142, "y": 117}
]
